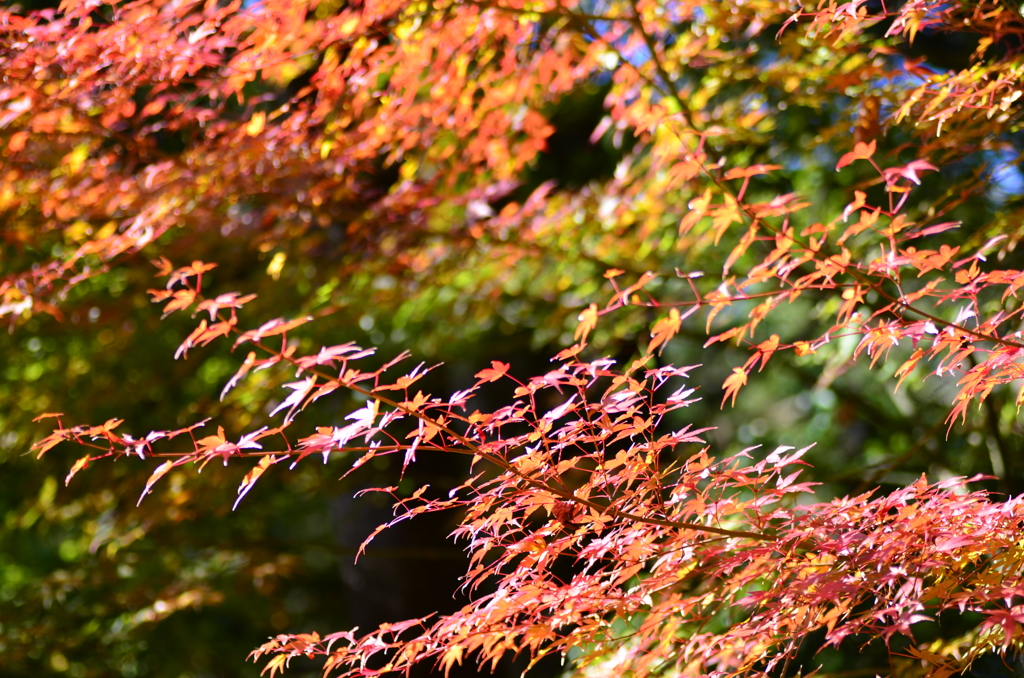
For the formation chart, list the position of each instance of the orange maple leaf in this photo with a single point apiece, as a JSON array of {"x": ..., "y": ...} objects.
[
  {"x": 733, "y": 383},
  {"x": 495, "y": 372},
  {"x": 861, "y": 151},
  {"x": 664, "y": 329}
]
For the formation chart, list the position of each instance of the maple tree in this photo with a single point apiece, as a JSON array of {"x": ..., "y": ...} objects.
[{"x": 808, "y": 184}]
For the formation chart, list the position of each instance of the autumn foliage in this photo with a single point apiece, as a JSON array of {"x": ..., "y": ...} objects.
[{"x": 599, "y": 523}]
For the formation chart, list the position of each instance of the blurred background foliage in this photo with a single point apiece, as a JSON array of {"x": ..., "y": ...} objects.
[{"x": 182, "y": 587}]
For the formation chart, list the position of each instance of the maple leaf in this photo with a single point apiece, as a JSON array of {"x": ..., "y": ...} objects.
[
  {"x": 230, "y": 300},
  {"x": 910, "y": 171},
  {"x": 965, "y": 276},
  {"x": 495, "y": 372},
  {"x": 747, "y": 172},
  {"x": 698, "y": 209},
  {"x": 159, "y": 473},
  {"x": 253, "y": 475},
  {"x": 733, "y": 383},
  {"x": 587, "y": 322},
  {"x": 180, "y": 299},
  {"x": 247, "y": 364},
  {"x": 908, "y": 366},
  {"x": 78, "y": 466},
  {"x": 765, "y": 350},
  {"x": 300, "y": 389},
  {"x": 664, "y": 329},
  {"x": 362, "y": 419},
  {"x": 861, "y": 151},
  {"x": 420, "y": 400},
  {"x": 270, "y": 329}
]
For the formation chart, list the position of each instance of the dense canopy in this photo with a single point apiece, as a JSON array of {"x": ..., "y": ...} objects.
[{"x": 694, "y": 325}]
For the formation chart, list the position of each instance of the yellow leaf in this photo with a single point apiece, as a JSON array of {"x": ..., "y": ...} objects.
[
  {"x": 159, "y": 473},
  {"x": 252, "y": 476},
  {"x": 453, "y": 655},
  {"x": 256, "y": 123},
  {"x": 275, "y": 665},
  {"x": 588, "y": 321},
  {"x": 804, "y": 348},
  {"x": 79, "y": 465},
  {"x": 276, "y": 265}
]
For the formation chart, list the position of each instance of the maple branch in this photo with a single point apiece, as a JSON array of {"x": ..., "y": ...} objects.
[
  {"x": 474, "y": 449},
  {"x": 930, "y": 316},
  {"x": 863, "y": 278}
]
